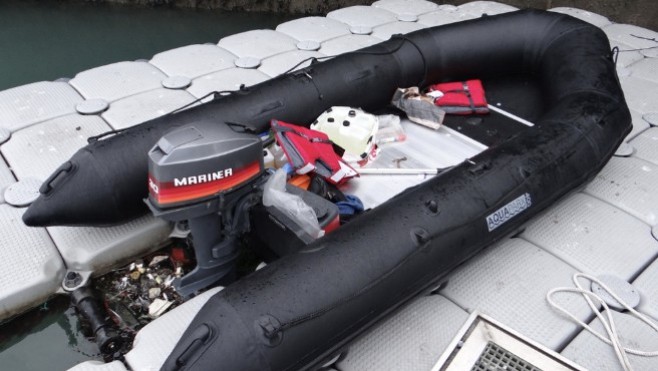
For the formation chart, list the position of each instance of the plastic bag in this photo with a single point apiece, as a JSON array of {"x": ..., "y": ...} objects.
[{"x": 275, "y": 195}]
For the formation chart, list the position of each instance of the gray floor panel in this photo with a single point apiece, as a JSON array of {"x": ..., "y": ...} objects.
[
  {"x": 31, "y": 269},
  {"x": 99, "y": 249},
  {"x": 508, "y": 281},
  {"x": 117, "y": 80},
  {"x": 594, "y": 354},
  {"x": 193, "y": 60},
  {"x": 594, "y": 237},
  {"x": 258, "y": 43},
  {"x": 145, "y": 106},
  {"x": 411, "y": 339},
  {"x": 629, "y": 184},
  {"x": 38, "y": 150},
  {"x": 404, "y": 7},
  {"x": 29, "y": 104}
]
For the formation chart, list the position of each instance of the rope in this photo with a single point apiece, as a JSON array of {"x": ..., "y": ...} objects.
[{"x": 612, "y": 338}]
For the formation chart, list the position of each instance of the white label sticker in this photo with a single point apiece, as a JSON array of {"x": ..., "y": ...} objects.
[{"x": 507, "y": 212}]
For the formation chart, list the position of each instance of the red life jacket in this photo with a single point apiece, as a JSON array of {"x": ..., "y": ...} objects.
[
  {"x": 461, "y": 98},
  {"x": 309, "y": 150}
]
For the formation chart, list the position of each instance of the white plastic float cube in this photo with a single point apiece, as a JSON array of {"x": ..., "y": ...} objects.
[
  {"x": 193, "y": 60},
  {"x": 145, "y": 106},
  {"x": 508, "y": 281},
  {"x": 318, "y": 29},
  {"x": 278, "y": 64},
  {"x": 226, "y": 80},
  {"x": 6, "y": 178},
  {"x": 99, "y": 249},
  {"x": 411, "y": 339},
  {"x": 347, "y": 43},
  {"x": 593, "y": 236},
  {"x": 362, "y": 16},
  {"x": 646, "y": 145},
  {"x": 258, "y": 44},
  {"x": 29, "y": 104},
  {"x": 38, "y": 150},
  {"x": 118, "y": 80},
  {"x": 404, "y": 7},
  {"x": 31, "y": 269},
  {"x": 630, "y": 185}
]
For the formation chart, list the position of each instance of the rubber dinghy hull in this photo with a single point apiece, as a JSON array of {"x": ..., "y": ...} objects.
[{"x": 300, "y": 310}]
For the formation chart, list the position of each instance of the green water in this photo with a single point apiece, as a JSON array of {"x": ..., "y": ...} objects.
[{"x": 46, "y": 40}]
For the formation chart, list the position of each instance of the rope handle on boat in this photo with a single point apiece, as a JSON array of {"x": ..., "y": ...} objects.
[{"x": 612, "y": 338}]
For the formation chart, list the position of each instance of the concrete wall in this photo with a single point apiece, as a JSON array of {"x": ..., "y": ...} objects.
[{"x": 638, "y": 12}]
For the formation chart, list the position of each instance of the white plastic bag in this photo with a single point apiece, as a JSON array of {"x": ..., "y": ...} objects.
[{"x": 275, "y": 195}]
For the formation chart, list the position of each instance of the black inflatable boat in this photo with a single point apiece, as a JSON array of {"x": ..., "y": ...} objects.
[{"x": 555, "y": 70}]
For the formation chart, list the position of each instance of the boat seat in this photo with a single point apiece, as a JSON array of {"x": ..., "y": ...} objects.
[
  {"x": 593, "y": 237},
  {"x": 156, "y": 340},
  {"x": 411, "y": 339},
  {"x": 593, "y": 354},
  {"x": 193, "y": 60},
  {"x": 6, "y": 178},
  {"x": 508, "y": 281},
  {"x": 630, "y": 185}
]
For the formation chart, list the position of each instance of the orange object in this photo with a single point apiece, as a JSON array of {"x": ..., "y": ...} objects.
[{"x": 302, "y": 181}]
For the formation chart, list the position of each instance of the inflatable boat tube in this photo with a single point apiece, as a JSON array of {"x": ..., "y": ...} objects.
[
  {"x": 104, "y": 183},
  {"x": 302, "y": 309}
]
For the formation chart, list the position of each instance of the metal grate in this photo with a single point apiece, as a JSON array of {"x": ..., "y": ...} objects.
[{"x": 496, "y": 358}]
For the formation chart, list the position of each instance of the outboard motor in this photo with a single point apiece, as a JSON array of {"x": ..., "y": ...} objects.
[{"x": 209, "y": 174}]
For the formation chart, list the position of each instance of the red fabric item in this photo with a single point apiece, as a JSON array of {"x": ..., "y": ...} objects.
[
  {"x": 309, "y": 150},
  {"x": 461, "y": 97}
]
